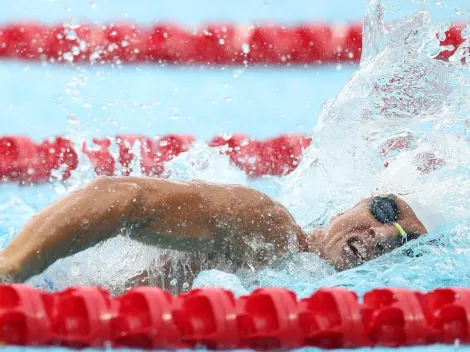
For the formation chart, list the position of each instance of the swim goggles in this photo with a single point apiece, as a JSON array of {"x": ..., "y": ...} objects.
[{"x": 385, "y": 210}]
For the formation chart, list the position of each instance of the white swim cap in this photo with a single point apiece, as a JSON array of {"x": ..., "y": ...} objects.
[{"x": 429, "y": 218}]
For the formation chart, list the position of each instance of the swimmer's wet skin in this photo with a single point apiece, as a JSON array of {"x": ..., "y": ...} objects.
[{"x": 200, "y": 216}]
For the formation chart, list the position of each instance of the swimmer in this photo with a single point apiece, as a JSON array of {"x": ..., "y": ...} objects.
[{"x": 199, "y": 216}]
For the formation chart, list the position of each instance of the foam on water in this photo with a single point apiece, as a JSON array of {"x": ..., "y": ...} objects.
[{"x": 400, "y": 92}]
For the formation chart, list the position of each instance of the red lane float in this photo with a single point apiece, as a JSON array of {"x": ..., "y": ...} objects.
[
  {"x": 24, "y": 162},
  {"x": 219, "y": 44},
  {"x": 268, "y": 318}
]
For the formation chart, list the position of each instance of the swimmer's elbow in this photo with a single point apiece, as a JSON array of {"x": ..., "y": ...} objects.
[{"x": 124, "y": 194}]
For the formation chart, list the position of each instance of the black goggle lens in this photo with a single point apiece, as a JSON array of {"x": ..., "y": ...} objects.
[{"x": 384, "y": 209}]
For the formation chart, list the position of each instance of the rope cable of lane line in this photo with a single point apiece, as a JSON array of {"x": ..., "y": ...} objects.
[
  {"x": 213, "y": 44},
  {"x": 267, "y": 318},
  {"x": 22, "y": 160}
]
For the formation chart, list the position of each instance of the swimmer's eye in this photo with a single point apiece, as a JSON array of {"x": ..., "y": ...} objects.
[{"x": 379, "y": 247}]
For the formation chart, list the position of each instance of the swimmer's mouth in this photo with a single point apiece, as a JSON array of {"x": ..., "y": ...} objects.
[{"x": 357, "y": 249}]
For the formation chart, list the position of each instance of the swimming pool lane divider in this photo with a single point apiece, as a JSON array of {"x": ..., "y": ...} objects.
[
  {"x": 24, "y": 161},
  {"x": 213, "y": 44},
  {"x": 268, "y": 318}
]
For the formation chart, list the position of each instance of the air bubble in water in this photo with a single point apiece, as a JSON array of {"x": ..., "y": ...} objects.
[
  {"x": 228, "y": 99},
  {"x": 92, "y": 5},
  {"x": 75, "y": 50}
]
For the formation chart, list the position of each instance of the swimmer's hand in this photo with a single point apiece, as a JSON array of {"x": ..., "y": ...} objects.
[{"x": 166, "y": 213}]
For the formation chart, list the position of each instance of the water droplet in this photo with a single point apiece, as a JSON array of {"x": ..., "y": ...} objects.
[
  {"x": 72, "y": 119},
  {"x": 221, "y": 41},
  {"x": 75, "y": 50},
  {"x": 465, "y": 33},
  {"x": 87, "y": 106},
  {"x": 67, "y": 9},
  {"x": 71, "y": 35},
  {"x": 68, "y": 57},
  {"x": 339, "y": 67},
  {"x": 237, "y": 73},
  {"x": 124, "y": 43},
  {"x": 175, "y": 117},
  {"x": 163, "y": 143},
  {"x": 457, "y": 12},
  {"x": 246, "y": 48},
  {"x": 226, "y": 85},
  {"x": 228, "y": 99},
  {"x": 92, "y": 5},
  {"x": 82, "y": 45}
]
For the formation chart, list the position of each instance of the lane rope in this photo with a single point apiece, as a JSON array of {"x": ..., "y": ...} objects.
[
  {"x": 268, "y": 318},
  {"x": 24, "y": 161},
  {"x": 212, "y": 44}
]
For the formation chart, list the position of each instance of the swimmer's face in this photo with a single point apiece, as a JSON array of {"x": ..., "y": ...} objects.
[{"x": 354, "y": 237}]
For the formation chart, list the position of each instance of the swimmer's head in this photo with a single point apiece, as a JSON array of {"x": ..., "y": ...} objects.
[{"x": 365, "y": 232}]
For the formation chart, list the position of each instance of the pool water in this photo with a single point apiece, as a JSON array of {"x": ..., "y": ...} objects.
[{"x": 351, "y": 111}]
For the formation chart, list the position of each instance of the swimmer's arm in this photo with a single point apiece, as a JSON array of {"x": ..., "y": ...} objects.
[
  {"x": 179, "y": 212},
  {"x": 75, "y": 222}
]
